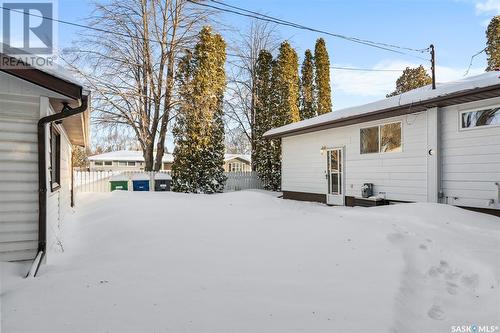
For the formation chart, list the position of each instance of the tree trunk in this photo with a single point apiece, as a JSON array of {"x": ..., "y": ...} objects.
[{"x": 148, "y": 156}]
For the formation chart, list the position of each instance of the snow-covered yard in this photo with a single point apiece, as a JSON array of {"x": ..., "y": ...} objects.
[{"x": 248, "y": 261}]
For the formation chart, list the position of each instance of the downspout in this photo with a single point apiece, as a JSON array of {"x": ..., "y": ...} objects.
[{"x": 42, "y": 174}]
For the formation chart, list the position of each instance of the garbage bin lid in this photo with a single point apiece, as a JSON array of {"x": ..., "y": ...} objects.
[
  {"x": 140, "y": 176},
  {"x": 162, "y": 176},
  {"x": 119, "y": 177}
]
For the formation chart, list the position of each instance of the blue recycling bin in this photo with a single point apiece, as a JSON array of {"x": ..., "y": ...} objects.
[{"x": 140, "y": 183}]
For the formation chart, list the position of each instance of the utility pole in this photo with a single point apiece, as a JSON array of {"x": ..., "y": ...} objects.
[{"x": 433, "y": 66}]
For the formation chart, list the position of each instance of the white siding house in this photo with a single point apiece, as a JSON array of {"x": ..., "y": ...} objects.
[
  {"x": 27, "y": 95},
  {"x": 400, "y": 175},
  {"x": 412, "y": 148},
  {"x": 133, "y": 160}
]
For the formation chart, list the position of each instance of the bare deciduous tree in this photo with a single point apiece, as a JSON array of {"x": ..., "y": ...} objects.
[
  {"x": 129, "y": 62},
  {"x": 241, "y": 97},
  {"x": 237, "y": 142},
  {"x": 112, "y": 139}
]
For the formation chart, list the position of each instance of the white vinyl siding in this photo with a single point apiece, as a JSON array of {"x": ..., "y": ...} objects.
[
  {"x": 470, "y": 158},
  {"x": 18, "y": 179},
  {"x": 400, "y": 175},
  {"x": 20, "y": 109}
]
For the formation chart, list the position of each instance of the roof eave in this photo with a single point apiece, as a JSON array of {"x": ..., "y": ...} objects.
[
  {"x": 440, "y": 101},
  {"x": 36, "y": 76}
]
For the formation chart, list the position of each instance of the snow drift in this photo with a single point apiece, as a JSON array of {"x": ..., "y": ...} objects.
[{"x": 248, "y": 261}]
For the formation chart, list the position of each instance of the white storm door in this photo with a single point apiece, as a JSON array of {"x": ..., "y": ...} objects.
[{"x": 335, "y": 176}]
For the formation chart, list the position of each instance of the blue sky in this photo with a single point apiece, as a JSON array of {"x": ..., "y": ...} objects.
[{"x": 456, "y": 27}]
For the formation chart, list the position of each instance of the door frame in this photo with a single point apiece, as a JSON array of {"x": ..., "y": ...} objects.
[{"x": 335, "y": 199}]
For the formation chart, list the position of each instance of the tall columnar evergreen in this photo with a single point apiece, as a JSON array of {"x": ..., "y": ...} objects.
[
  {"x": 199, "y": 131},
  {"x": 307, "y": 103},
  {"x": 493, "y": 44},
  {"x": 263, "y": 115},
  {"x": 322, "y": 78},
  {"x": 284, "y": 104},
  {"x": 285, "y": 86},
  {"x": 411, "y": 78}
]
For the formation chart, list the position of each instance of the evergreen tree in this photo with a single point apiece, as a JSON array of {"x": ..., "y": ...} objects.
[
  {"x": 214, "y": 159},
  {"x": 184, "y": 131},
  {"x": 411, "y": 78},
  {"x": 284, "y": 105},
  {"x": 199, "y": 130},
  {"x": 493, "y": 44},
  {"x": 263, "y": 115},
  {"x": 285, "y": 86},
  {"x": 322, "y": 78},
  {"x": 307, "y": 103}
]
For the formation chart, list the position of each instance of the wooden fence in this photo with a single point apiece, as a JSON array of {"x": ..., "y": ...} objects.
[{"x": 99, "y": 181}]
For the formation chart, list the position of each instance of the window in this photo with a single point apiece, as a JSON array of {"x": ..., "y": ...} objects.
[
  {"x": 381, "y": 139},
  {"x": 108, "y": 162},
  {"x": 390, "y": 138},
  {"x": 234, "y": 167},
  {"x": 131, "y": 163},
  {"x": 480, "y": 118},
  {"x": 55, "y": 159},
  {"x": 98, "y": 163},
  {"x": 122, "y": 163},
  {"x": 369, "y": 140}
]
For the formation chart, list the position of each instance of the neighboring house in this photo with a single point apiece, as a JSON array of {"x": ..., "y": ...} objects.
[
  {"x": 425, "y": 145},
  {"x": 237, "y": 163},
  {"x": 36, "y": 138},
  {"x": 122, "y": 160},
  {"x": 133, "y": 160}
]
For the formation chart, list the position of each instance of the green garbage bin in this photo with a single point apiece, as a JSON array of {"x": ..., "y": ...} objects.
[
  {"x": 119, "y": 185},
  {"x": 119, "y": 182}
]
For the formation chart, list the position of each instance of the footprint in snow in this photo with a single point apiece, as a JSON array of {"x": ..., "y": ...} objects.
[
  {"x": 433, "y": 271},
  {"x": 453, "y": 274},
  {"x": 395, "y": 237},
  {"x": 470, "y": 281},
  {"x": 452, "y": 288},
  {"x": 438, "y": 270},
  {"x": 436, "y": 312}
]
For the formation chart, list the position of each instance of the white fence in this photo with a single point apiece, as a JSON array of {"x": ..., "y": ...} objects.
[{"x": 99, "y": 181}]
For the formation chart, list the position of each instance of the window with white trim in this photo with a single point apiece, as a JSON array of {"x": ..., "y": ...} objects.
[
  {"x": 385, "y": 138},
  {"x": 98, "y": 163},
  {"x": 108, "y": 162},
  {"x": 480, "y": 118}
]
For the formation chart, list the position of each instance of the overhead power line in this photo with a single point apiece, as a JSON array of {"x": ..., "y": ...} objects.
[
  {"x": 365, "y": 69},
  {"x": 76, "y": 24},
  {"x": 332, "y": 67},
  {"x": 297, "y": 25},
  {"x": 267, "y": 18},
  {"x": 156, "y": 41},
  {"x": 472, "y": 60}
]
